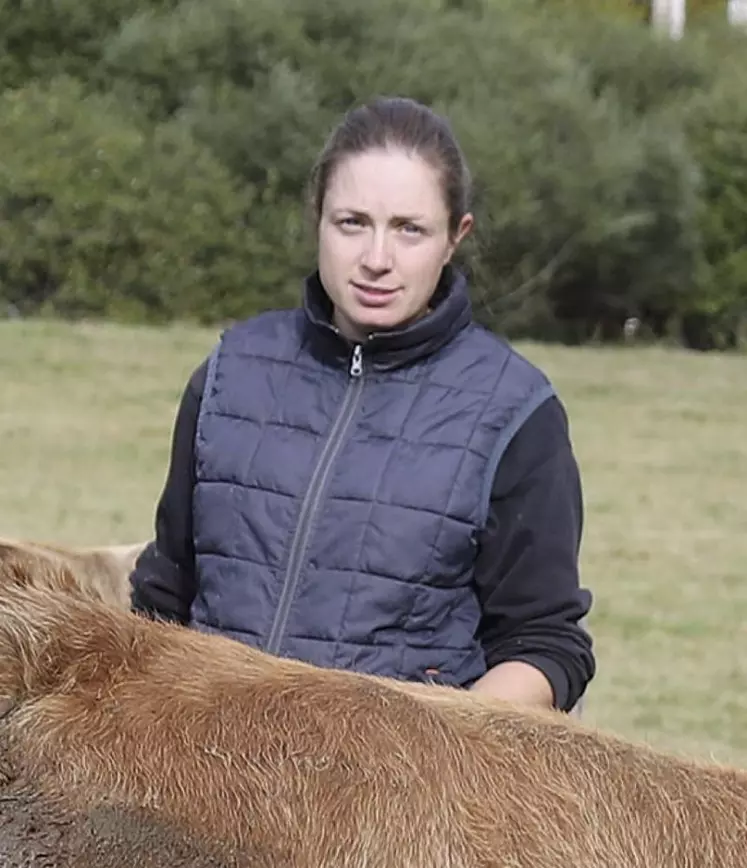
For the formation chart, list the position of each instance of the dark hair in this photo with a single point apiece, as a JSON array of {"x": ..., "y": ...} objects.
[{"x": 397, "y": 122}]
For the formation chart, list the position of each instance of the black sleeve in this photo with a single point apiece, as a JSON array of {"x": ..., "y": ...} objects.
[
  {"x": 527, "y": 570},
  {"x": 163, "y": 580}
]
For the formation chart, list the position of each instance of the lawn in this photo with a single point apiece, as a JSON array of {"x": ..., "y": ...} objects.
[{"x": 661, "y": 435}]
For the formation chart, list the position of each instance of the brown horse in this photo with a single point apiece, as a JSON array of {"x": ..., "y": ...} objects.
[
  {"x": 101, "y": 572},
  {"x": 151, "y": 744}
]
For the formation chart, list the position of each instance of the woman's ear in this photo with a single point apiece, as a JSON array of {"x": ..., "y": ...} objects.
[{"x": 463, "y": 230}]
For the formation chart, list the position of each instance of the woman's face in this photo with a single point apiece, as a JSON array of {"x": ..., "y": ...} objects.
[{"x": 383, "y": 240}]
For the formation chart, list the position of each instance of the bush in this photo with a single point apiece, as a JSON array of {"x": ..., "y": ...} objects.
[
  {"x": 41, "y": 39},
  {"x": 163, "y": 54},
  {"x": 716, "y": 123},
  {"x": 157, "y": 154},
  {"x": 103, "y": 216},
  {"x": 586, "y": 207}
]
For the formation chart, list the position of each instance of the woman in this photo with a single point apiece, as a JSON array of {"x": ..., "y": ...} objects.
[{"x": 373, "y": 481}]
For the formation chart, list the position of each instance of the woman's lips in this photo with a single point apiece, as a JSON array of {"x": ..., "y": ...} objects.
[{"x": 375, "y": 296}]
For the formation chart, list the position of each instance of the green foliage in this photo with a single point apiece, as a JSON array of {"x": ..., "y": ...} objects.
[
  {"x": 162, "y": 54},
  {"x": 628, "y": 10},
  {"x": 633, "y": 65},
  {"x": 637, "y": 10},
  {"x": 44, "y": 38},
  {"x": 102, "y": 217},
  {"x": 156, "y": 154},
  {"x": 717, "y": 126}
]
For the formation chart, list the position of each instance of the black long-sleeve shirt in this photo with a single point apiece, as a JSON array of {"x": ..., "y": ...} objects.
[{"x": 526, "y": 573}]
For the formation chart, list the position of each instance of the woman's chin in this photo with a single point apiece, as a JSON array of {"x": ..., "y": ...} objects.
[{"x": 370, "y": 319}]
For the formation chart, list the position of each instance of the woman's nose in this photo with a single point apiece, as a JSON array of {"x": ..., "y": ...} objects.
[{"x": 377, "y": 255}]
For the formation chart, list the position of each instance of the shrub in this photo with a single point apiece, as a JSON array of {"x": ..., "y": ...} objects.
[
  {"x": 716, "y": 123},
  {"x": 157, "y": 154},
  {"x": 102, "y": 215},
  {"x": 45, "y": 38}
]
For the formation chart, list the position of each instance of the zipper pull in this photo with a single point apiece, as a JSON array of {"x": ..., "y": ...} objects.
[{"x": 356, "y": 363}]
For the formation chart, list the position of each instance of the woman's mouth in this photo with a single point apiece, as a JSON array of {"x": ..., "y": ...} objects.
[{"x": 374, "y": 295}]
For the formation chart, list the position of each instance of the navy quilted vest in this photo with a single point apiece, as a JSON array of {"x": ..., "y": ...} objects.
[{"x": 340, "y": 491}]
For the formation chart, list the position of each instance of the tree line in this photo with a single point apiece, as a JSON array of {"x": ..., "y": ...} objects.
[{"x": 155, "y": 155}]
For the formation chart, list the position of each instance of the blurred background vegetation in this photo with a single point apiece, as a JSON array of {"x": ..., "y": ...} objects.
[{"x": 154, "y": 155}]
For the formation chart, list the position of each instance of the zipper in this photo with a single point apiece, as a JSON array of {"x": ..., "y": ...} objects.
[{"x": 313, "y": 497}]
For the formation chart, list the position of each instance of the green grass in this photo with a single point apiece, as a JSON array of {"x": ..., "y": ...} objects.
[{"x": 661, "y": 435}]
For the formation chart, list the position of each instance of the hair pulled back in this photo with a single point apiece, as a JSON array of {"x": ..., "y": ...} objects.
[{"x": 397, "y": 122}]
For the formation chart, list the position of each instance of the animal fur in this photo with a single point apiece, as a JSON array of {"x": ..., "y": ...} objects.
[
  {"x": 101, "y": 572},
  {"x": 259, "y": 762}
]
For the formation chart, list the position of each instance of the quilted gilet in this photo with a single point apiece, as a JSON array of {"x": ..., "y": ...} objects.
[{"x": 340, "y": 490}]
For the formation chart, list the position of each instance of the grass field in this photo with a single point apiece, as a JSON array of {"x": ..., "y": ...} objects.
[{"x": 661, "y": 435}]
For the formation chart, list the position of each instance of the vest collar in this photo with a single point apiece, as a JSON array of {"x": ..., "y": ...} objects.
[{"x": 451, "y": 312}]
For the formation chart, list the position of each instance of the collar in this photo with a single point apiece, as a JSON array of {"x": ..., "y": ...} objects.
[{"x": 451, "y": 312}]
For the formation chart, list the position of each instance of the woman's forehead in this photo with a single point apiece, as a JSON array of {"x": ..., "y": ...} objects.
[{"x": 389, "y": 181}]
